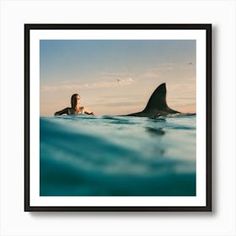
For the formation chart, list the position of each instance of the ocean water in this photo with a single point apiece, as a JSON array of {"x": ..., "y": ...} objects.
[{"x": 117, "y": 156}]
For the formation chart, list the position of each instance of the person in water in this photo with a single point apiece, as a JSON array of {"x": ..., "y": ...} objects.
[{"x": 75, "y": 107}]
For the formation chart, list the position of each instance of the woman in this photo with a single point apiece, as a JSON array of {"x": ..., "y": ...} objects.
[{"x": 75, "y": 108}]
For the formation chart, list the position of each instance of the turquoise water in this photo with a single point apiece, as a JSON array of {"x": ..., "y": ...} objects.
[{"x": 117, "y": 156}]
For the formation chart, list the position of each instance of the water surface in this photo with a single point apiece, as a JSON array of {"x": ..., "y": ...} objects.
[{"x": 117, "y": 156}]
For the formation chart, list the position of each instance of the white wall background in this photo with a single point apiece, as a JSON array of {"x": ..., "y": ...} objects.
[{"x": 14, "y": 221}]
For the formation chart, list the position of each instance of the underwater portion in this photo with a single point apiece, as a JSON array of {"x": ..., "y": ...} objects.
[{"x": 118, "y": 156}]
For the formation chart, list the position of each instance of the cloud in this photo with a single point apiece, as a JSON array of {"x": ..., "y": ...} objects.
[
  {"x": 109, "y": 83},
  {"x": 156, "y": 72}
]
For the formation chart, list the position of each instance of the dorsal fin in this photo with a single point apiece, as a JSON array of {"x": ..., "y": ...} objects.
[
  {"x": 156, "y": 105},
  {"x": 157, "y": 101}
]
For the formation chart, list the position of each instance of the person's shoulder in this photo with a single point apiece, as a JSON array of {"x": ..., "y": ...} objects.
[
  {"x": 70, "y": 111},
  {"x": 63, "y": 111},
  {"x": 81, "y": 109},
  {"x": 67, "y": 109}
]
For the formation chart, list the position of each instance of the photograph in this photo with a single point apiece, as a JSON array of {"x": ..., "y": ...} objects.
[{"x": 119, "y": 117}]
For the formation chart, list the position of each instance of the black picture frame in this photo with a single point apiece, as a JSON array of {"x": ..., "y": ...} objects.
[{"x": 27, "y": 137}]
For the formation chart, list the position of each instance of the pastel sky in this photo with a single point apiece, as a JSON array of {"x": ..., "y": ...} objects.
[{"x": 116, "y": 77}]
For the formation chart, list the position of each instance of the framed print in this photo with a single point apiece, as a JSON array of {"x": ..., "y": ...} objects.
[{"x": 118, "y": 117}]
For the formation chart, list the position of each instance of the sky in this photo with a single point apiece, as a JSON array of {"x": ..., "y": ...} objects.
[{"x": 115, "y": 77}]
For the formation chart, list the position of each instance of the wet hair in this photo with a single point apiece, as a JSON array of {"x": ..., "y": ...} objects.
[{"x": 73, "y": 100}]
